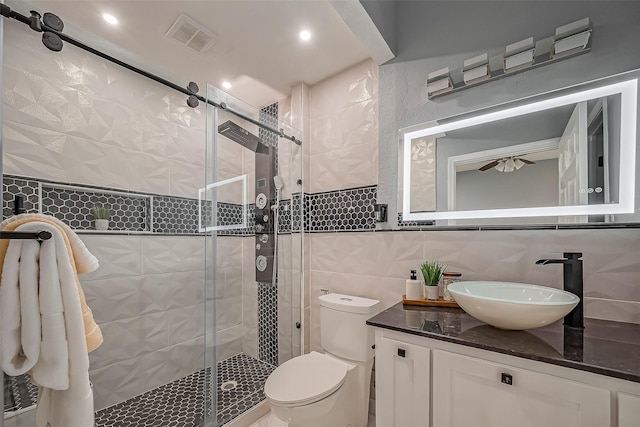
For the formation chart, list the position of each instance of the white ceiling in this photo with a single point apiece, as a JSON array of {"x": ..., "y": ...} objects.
[{"x": 258, "y": 49}]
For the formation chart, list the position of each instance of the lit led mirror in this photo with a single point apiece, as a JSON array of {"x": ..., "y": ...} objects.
[{"x": 564, "y": 159}]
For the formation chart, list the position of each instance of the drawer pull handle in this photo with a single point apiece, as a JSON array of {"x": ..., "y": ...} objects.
[
  {"x": 402, "y": 352},
  {"x": 506, "y": 379}
]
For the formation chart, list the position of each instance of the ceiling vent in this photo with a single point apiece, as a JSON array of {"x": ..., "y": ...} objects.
[{"x": 188, "y": 32}]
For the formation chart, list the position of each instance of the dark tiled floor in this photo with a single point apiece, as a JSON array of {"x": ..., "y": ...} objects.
[
  {"x": 182, "y": 403},
  {"x": 19, "y": 393}
]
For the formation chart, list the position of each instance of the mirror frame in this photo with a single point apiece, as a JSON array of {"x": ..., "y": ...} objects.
[{"x": 626, "y": 205}]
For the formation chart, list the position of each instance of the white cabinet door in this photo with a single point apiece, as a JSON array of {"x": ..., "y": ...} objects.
[
  {"x": 469, "y": 392},
  {"x": 628, "y": 410},
  {"x": 402, "y": 384}
]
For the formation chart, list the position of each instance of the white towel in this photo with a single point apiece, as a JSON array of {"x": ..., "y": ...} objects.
[{"x": 41, "y": 308}]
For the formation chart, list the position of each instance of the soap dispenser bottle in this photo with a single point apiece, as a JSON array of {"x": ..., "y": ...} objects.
[{"x": 413, "y": 288}]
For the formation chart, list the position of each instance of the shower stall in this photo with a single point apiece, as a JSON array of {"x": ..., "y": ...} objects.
[{"x": 199, "y": 288}]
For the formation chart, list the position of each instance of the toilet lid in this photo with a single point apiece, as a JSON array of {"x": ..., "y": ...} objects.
[{"x": 305, "y": 379}]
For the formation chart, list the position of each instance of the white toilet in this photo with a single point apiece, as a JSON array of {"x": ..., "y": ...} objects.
[{"x": 330, "y": 389}]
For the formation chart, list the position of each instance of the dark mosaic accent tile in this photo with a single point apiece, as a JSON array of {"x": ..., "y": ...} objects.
[
  {"x": 175, "y": 215},
  {"x": 239, "y": 387},
  {"x": 250, "y": 376},
  {"x": 402, "y": 223},
  {"x": 27, "y": 188},
  {"x": 341, "y": 210},
  {"x": 74, "y": 208},
  {"x": 19, "y": 393},
  {"x": 179, "y": 404},
  {"x": 268, "y": 323},
  {"x": 296, "y": 215},
  {"x": 234, "y": 216},
  {"x": 284, "y": 216}
]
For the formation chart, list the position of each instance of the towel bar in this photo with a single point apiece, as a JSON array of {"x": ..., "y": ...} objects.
[{"x": 39, "y": 236}]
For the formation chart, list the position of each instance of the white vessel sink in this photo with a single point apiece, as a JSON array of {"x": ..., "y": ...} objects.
[{"x": 514, "y": 306}]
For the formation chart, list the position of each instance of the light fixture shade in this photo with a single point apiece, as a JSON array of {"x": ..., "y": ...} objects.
[
  {"x": 518, "y": 163},
  {"x": 500, "y": 166},
  {"x": 509, "y": 165}
]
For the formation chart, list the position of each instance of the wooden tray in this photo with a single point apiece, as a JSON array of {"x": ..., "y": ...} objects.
[{"x": 425, "y": 303}]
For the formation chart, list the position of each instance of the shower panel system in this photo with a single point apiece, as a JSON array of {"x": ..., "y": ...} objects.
[{"x": 265, "y": 197}]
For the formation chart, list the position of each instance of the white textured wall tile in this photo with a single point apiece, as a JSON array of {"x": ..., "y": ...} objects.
[
  {"x": 127, "y": 338},
  {"x": 614, "y": 310},
  {"x": 343, "y": 124},
  {"x": 376, "y": 264},
  {"x": 229, "y": 342},
  {"x": 32, "y": 151},
  {"x": 285, "y": 320},
  {"x": 352, "y": 166},
  {"x": 229, "y": 252},
  {"x": 114, "y": 299},
  {"x": 100, "y": 111},
  {"x": 172, "y": 290},
  {"x": 124, "y": 380},
  {"x": 185, "y": 323},
  {"x": 116, "y": 383},
  {"x": 187, "y": 357},
  {"x": 119, "y": 256},
  {"x": 373, "y": 254},
  {"x": 188, "y": 146},
  {"x": 186, "y": 179},
  {"x": 250, "y": 318},
  {"x": 149, "y": 173},
  {"x": 356, "y": 84},
  {"x": 169, "y": 254}
]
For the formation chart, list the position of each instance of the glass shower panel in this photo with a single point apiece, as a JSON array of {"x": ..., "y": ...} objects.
[{"x": 254, "y": 255}]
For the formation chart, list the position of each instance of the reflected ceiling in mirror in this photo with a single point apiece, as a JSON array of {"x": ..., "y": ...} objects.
[{"x": 565, "y": 159}]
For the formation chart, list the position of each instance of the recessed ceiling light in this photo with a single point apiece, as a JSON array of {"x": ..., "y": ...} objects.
[
  {"x": 110, "y": 18},
  {"x": 226, "y": 85},
  {"x": 305, "y": 35}
]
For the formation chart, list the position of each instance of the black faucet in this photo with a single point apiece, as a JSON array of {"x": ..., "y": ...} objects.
[{"x": 572, "y": 269}]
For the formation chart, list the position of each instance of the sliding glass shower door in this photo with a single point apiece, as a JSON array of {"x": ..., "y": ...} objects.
[{"x": 252, "y": 215}]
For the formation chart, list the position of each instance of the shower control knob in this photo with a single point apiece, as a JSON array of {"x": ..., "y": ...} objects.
[
  {"x": 258, "y": 246},
  {"x": 264, "y": 238},
  {"x": 259, "y": 228},
  {"x": 265, "y": 218},
  {"x": 261, "y": 201},
  {"x": 261, "y": 263}
]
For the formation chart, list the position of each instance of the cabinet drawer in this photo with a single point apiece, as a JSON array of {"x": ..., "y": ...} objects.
[{"x": 474, "y": 392}]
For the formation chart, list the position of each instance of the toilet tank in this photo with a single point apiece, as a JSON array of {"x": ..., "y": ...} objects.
[{"x": 343, "y": 329}]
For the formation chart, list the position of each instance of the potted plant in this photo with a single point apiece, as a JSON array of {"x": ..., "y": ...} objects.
[
  {"x": 431, "y": 273},
  {"x": 101, "y": 217}
]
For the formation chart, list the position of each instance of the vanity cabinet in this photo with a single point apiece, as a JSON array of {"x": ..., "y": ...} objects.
[
  {"x": 472, "y": 392},
  {"x": 423, "y": 382},
  {"x": 628, "y": 410},
  {"x": 402, "y": 384}
]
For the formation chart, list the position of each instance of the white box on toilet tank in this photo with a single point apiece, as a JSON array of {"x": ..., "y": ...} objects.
[{"x": 343, "y": 329}]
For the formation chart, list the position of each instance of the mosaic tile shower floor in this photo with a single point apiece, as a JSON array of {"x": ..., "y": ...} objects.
[
  {"x": 240, "y": 381},
  {"x": 19, "y": 393}
]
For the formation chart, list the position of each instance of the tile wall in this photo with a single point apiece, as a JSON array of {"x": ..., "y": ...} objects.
[{"x": 80, "y": 120}]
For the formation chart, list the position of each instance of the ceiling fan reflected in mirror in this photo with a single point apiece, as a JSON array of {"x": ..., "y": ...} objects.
[{"x": 507, "y": 164}]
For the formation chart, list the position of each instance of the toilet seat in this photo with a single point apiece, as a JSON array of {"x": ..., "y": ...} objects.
[{"x": 305, "y": 379}]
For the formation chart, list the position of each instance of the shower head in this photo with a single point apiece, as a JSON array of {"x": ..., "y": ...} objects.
[
  {"x": 277, "y": 181},
  {"x": 243, "y": 137}
]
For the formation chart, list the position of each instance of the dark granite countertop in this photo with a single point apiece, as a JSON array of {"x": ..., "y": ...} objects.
[{"x": 603, "y": 347}]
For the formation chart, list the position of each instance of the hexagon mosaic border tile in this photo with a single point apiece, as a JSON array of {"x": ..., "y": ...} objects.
[{"x": 341, "y": 210}]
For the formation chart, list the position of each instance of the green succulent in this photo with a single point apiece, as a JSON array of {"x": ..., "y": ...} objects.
[
  {"x": 432, "y": 272},
  {"x": 100, "y": 212}
]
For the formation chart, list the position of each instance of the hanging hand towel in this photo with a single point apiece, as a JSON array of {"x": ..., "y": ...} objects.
[
  {"x": 83, "y": 260},
  {"x": 61, "y": 366}
]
